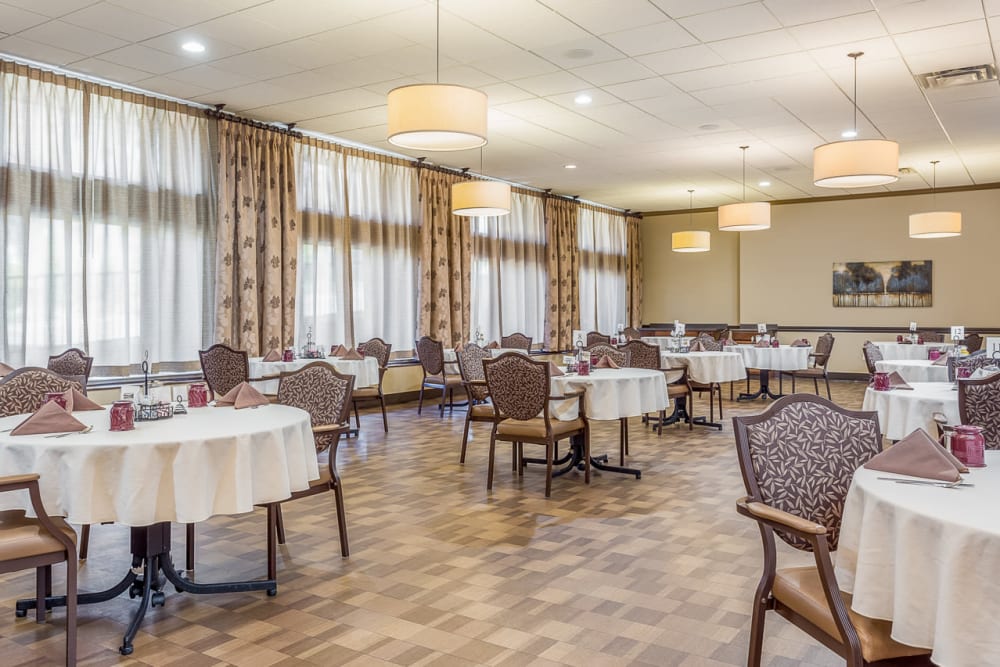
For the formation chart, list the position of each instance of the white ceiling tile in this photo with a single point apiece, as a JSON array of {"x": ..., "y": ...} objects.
[
  {"x": 407, "y": 60},
  {"x": 67, "y": 36},
  {"x": 210, "y": 78},
  {"x": 642, "y": 89},
  {"x": 795, "y": 12},
  {"x": 357, "y": 41},
  {"x": 184, "y": 12},
  {"x": 467, "y": 76},
  {"x": 675, "y": 105},
  {"x": 946, "y": 37},
  {"x": 15, "y": 19},
  {"x": 935, "y": 61},
  {"x": 171, "y": 87},
  {"x": 752, "y": 47},
  {"x": 44, "y": 53},
  {"x": 681, "y": 60},
  {"x": 253, "y": 95},
  {"x": 173, "y": 41},
  {"x": 110, "y": 71},
  {"x": 552, "y": 83},
  {"x": 525, "y": 23},
  {"x": 51, "y": 8},
  {"x": 579, "y": 53},
  {"x": 502, "y": 93},
  {"x": 255, "y": 64},
  {"x": 598, "y": 96},
  {"x": 145, "y": 58},
  {"x": 120, "y": 22},
  {"x": 838, "y": 31},
  {"x": 616, "y": 71},
  {"x": 835, "y": 57},
  {"x": 245, "y": 32},
  {"x": 351, "y": 120},
  {"x": 600, "y": 16},
  {"x": 383, "y": 87},
  {"x": 731, "y": 22},
  {"x": 303, "y": 16},
  {"x": 992, "y": 7},
  {"x": 906, "y": 15},
  {"x": 515, "y": 64},
  {"x": 678, "y": 8},
  {"x": 659, "y": 36},
  {"x": 323, "y": 105}
]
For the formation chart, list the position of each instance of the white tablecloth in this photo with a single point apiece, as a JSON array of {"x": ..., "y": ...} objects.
[
  {"x": 927, "y": 559},
  {"x": 184, "y": 469},
  {"x": 365, "y": 371},
  {"x": 914, "y": 370},
  {"x": 784, "y": 358},
  {"x": 663, "y": 341},
  {"x": 707, "y": 367},
  {"x": 892, "y": 351},
  {"x": 612, "y": 393},
  {"x": 902, "y": 411}
]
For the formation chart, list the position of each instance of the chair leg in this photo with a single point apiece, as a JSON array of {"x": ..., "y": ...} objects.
[
  {"x": 272, "y": 546},
  {"x": 719, "y": 387},
  {"x": 548, "y": 469},
  {"x": 659, "y": 426},
  {"x": 444, "y": 395},
  {"x": 756, "y": 632},
  {"x": 816, "y": 385},
  {"x": 357, "y": 418},
  {"x": 43, "y": 587},
  {"x": 827, "y": 381},
  {"x": 70, "y": 609},
  {"x": 279, "y": 524},
  {"x": 520, "y": 459},
  {"x": 622, "y": 439},
  {"x": 793, "y": 384},
  {"x": 385, "y": 420},
  {"x": 338, "y": 495},
  {"x": 189, "y": 547},
  {"x": 513, "y": 456},
  {"x": 465, "y": 436},
  {"x": 586, "y": 455},
  {"x": 420, "y": 404},
  {"x": 493, "y": 449},
  {"x": 84, "y": 541}
]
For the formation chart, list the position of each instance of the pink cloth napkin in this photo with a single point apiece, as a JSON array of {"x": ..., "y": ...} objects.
[
  {"x": 50, "y": 418},
  {"x": 554, "y": 371},
  {"x": 458, "y": 348},
  {"x": 606, "y": 362},
  {"x": 696, "y": 346},
  {"x": 896, "y": 381},
  {"x": 352, "y": 355},
  {"x": 75, "y": 400},
  {"x": 272, "y": 355},
  {"x": 918, "y": 455},
  {"x": 337, "y": 350},
  {"x": 5, "y": 369},
  {"x": 941, "y": 361},
  {"x": 242, "y": 396},
  {"x": 493, "y": 345}
]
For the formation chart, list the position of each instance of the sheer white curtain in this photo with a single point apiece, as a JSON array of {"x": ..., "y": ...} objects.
[
  {"x": 602, "y": 269},
  {"x": 508, "y": 270}
]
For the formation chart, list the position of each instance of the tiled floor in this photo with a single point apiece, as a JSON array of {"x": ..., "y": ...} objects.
[{"x": 658, "y": 571}]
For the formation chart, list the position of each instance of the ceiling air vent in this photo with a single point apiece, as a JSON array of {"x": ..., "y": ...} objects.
[{"x": 960, "y": 76}]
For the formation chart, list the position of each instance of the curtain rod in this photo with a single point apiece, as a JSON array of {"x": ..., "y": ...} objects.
[{"x": 219, "y": 112}]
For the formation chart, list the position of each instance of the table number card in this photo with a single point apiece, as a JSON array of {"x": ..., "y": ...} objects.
[
  {"x": 762, "y": 327},
  {"x": 579, "y": 340},
  {"x": 957, "y": 333},
  {"x": 993, "y": 346},
  {"x": 679, "y": 328},
  {"x": 913, "y": 327}
]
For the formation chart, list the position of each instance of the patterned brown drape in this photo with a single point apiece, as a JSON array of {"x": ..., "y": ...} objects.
[
  {"x": 445, "y": 262},
  {"x": 633, "y": 270},
  {"x": 257, "y": 238},
  {"x": 562, "y": 311}
]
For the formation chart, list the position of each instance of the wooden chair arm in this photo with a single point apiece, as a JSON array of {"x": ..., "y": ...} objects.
[
  {"x": 29, "y": 481},
  {"x": 17, "y": 482},
  {"x": 778, "y": 518},
  {"x": 331, "y": 428}
]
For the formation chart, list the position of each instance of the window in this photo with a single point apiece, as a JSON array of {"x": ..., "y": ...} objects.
[{"x": 602, "y": 269}]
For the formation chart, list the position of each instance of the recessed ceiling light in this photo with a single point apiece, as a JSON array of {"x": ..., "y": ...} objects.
[
  {"x": 583, "y": 98},
  {"x": 193, "y": 47},
  {"x": 569, "y": 166},
  {"x": 764, "y": 184},
  {"x": 849, "y": 134}
]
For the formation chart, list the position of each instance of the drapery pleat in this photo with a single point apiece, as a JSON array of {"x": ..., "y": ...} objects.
[
  {"x": 445, "y": 262},
  {"x": 633, "y": 270},
  {"x": 257, "y": 238},
  {"x": 562, "y": 312}
]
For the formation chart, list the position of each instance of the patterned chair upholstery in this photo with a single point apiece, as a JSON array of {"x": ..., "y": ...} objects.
[
  {"x": 470, "y": 367},
  {"x": 380, "y": 350},
  {"x": 520, "y": 390},
  {"x": 642, "y": 355},
  {"x": 430, "y": 353},
  {"x": 326, "y": 395},
  {"x": 223, "y": 368},
  {"x": 931, "y": 336},
  {"x": 594, "y": 337},
  {"x": 599, "y": 350},
  {"x": 972, "y": 362},
  {"x": 797, "y": 460},
  {"x": 709, "y": 342},
  {"x": 979, "y": 405},
  {"x": 820, "y": 358},
  {"x": 72, "y": 362},
  {"x": 23, "y": 391},
  {"x": 516, "y": 341},
  {"x": 631, "y": 333},
  {"x": 973, "y": 342},
  {"x": 872, "y": 354}
]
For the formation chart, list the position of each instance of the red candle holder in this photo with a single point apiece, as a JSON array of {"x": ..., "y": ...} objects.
[
  {"x": 288, "y": 355},
  {"x": 122, "y": 416},
  {"x": 968, "y": 445},
  {"x": 197, "y": 396},
  {"x": 881, "y": 382},
  {"x": 56, "y": 397}
]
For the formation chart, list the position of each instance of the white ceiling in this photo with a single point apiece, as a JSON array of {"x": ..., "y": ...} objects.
[{"x": 677, "y": 85}]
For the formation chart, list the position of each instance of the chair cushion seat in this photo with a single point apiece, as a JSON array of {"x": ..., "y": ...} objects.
[
  {"x": 365, "y": 392},
  {"x": 535, "y": 428},
  {"x": 800, "y": 589},
  {"x": 482, "y": 410},
  {"x": 676, "y": 390},
  {"x": 438, "y": 381},
  {"x": 25, "y": 538}
]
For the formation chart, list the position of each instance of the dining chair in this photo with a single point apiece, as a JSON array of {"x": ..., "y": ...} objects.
[
  {"x": 797, "y": 459},
  {"x": 979, "y": 405},
  {"x": 470, "y": 367},
  {"x": 594, "y": 337},
  {"x": 39, "y": 543},
  {"x": 430, "y": 354},
  {"x": 872, "y": 354},
  {"x": 380, "y": 350},
  {"x": 73, "y": 362},
  {"x": 931, "y": 336},
  {"x": 973, "y": 342},
  {"x": 223, "y": 368},
  {"x": 819, "y": 360},
  {"x": 599, "y": 350},
  {"x": 973, "y": 362},
  {"x": 23, "y": 391},
  {"x": 516, "y": 341},
  {"x": 631, "y": 333},
  {"x": 644, "y": 355},
  {"x": 325, "y": 394},
  {"x": 709, "y": 342},
  {"x": 520, "y": 389}
]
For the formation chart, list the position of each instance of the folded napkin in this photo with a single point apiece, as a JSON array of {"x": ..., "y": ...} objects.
[
  {"x": 337, "y": 350},
  {"x": 5, "y": 369},
  {"x": 941, "y": 361},
  {"x": 75, "y": 400},
  {"x": 984, "y": 372},
  {"x": 696, "y": 346},
  {"x": 50, "y": 418},
  {"x": 352, "y": 355},
  {"x": 896, "y": 381},
  {"x": 918, "y": 455},
  {"x": 554, "y": 371},
  {"x": 606, "y": 362},
  {"x": 493, "y": 345},
  {"x": 800, "y": 342},
  {"x": 728, "y": 342},
  {"x": 242, "y": 396},
  {"x": 272, "y": 355}
]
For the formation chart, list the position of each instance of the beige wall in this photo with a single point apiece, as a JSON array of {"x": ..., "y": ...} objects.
[{"x": 784, "y": 274}]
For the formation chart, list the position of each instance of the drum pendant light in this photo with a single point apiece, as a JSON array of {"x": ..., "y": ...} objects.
[
  {"x": 858, "y": 163},
  {"x": 691, "y": 240},
  {"x": 437, "y": 116},
  {"x": 473, "y": 198},
  {"x": 745, "y": 216},
  {"x": 935, "y": 224}
]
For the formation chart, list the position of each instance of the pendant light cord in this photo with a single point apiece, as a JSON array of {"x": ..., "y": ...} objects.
[
  {"x": 744, "y": 149},
  {"x": 934, "y": 164},
  {"x": 854, "y": 56},
  {"x": 690, "y": 208},
  {"x": 437, "y": 46}
]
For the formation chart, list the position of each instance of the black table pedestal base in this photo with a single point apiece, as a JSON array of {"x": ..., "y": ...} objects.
[
  {"x": 765, "y": 390},
  {"x": 150, "y": 557},
  {"x": 681, "y": 413},
  {"x": 574, "y": 460}
]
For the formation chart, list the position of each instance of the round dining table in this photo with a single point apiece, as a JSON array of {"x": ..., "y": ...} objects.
[
  {"x": 767, "y": 359},
  {"x": 892, "y": 350},
  {"x": 903, "y": 411},
  {"x": 914, "y": 370},
  {"x": 707, "y": 367},
  {"x": 184, "y": 469},
  {"x": 365, "y": 371},
  {"x": 664, "y": 342},
  {"x": 926, "y": 558}
]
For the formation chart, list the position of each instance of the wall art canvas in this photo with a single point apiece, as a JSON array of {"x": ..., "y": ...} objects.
[{"x": 901, "y": 284}]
